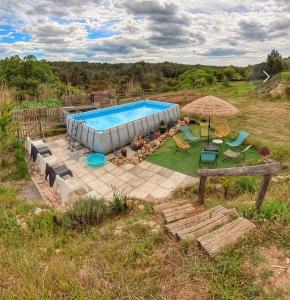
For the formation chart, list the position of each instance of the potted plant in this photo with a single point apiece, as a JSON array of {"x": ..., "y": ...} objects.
[
  {"x": 124, "y": 152},
  {"x": 137, "y": 143},
  {"x": 162, "y": 127},
  {"x": 170, "y": 124},
  {"x": 265, "y": 152}
]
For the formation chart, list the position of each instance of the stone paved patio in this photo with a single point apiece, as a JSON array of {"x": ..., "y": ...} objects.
[{"x": 145, "y": 181}]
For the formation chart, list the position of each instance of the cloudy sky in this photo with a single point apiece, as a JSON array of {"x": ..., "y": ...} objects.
[{"x": 222, "y": 32}]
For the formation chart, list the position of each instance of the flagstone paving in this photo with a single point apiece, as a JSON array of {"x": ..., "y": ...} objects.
[{"x": 146, "y": 180}]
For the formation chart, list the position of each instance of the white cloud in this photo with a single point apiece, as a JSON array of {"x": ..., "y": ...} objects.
[{"x": 187, "y": 31}]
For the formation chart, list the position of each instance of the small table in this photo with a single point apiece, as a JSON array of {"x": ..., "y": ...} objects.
[
  {"x": 53, "y": 172},
  {"x": 211, "y": 147},
  {"x": 218, "y": 142}
]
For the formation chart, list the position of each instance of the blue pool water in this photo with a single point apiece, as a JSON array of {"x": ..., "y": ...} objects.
[{"x": 106, "y": 118}]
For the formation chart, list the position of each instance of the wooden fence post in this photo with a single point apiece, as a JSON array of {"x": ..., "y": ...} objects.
[
  {"x": 201, "y": 190},
  {"x": 263, "y": 190}
]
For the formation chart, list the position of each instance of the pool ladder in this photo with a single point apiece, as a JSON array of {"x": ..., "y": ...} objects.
[{"x": 73, "y": 135}]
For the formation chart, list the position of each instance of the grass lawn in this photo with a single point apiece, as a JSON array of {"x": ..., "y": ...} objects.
[{"x": 188, "y": 162}]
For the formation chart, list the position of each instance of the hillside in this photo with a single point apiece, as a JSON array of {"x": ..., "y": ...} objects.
[{"x": 278, "y": 86}]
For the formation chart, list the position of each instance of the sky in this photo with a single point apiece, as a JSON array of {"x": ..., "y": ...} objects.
[{"x": 184, "y": 31}]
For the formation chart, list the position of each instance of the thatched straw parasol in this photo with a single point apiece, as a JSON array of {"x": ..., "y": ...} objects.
[{"x": 210, "y": 106}]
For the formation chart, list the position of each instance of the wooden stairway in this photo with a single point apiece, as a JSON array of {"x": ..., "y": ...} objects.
[{"x": 213, "y": 229}]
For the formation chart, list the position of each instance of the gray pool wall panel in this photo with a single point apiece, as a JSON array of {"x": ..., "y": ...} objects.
[{"x": 116, "y": 137}]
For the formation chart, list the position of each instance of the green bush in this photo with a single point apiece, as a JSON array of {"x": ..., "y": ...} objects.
[
  {"x": 9, "y": 229},
  {"x": 120, "y": 202},
  {"x": 87, "y": 212},
  {"x": 49, "y": 103},
  {"x": 285, "y": 76},
  {"x": 247, "y": 184},
  {"x": 43, "y": 224},
  {"x": 275, "y": 210},
  {"x": 21, "y": 170},
  {"x": 196, "y": 78}
]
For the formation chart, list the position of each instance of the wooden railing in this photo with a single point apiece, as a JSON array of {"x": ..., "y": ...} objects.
[
  {"x": 265, "y": 170},
  {"x": 35, "y": 122},
  {"x": 29, "y": 115}
]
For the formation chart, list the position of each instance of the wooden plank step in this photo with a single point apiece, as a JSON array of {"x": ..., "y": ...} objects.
[
  {"x": 180, "y": 215},
  {"x": 172, "y": 211},
  {"x": 230, "y": 233},
  {"x": 206, "y": 226},
  {"x": 172, "y": 228},
  {"x": 170, "y": 204}
]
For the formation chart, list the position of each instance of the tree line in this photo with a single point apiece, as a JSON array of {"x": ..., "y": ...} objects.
[{"x": 40, "y": 80}]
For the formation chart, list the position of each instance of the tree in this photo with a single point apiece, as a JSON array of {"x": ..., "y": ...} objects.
[
  {"x": 274, "y": 62},
  {"x": 8, "y": 127},
  {"x": 26, "y": 74},
  {"x": 230, "y": 73}
]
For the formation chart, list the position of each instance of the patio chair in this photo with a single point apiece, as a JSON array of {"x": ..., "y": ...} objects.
[
  {"x": 29, "y": 143},
  {"x": 222, "y": 131},
  {"x": 65, "y": 188},
  {"x": 188, "y": 134},
  {"x": 232, "y": 154},
  {"x": 180, "y": 145},
  {"x": 208, "y": 157},
  {"x": 239, "y": 139}
]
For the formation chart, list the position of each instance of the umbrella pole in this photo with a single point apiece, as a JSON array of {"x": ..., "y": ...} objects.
[{"x": 208, "y": 130}]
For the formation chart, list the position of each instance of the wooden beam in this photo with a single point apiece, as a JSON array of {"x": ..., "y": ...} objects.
[
  {"x": 265, "y": 170},
  {"x": 201, "y": 190},
  {"x": 263, "y": 189},
  {"x": 259, "y": 170}
]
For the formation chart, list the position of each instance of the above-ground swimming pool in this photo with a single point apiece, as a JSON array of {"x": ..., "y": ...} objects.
[{"x": 107, "y": 129}]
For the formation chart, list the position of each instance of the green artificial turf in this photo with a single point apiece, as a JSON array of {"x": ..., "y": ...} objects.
[{"x": 188, "y": 162}]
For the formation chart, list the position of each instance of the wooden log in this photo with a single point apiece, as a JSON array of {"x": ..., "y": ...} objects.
[
  {"x": 176, "y": 209},
  {"x": 179, "y": 216},
  {"x": 172, "y": 228},
  {"x": 169, "y": 204},
  {"x": 263, "y": 190},
  {"x": 265, "y": 169},
  {"x": 230, "y": 233},
  {"x": 206, "y": 226}
]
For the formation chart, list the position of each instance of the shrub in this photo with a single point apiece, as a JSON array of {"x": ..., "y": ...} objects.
[
  {"x": 87, "y": 212},
  {"x": 43, "y": 224},
  {"x": 285, "y": 76},
  {"x": 21, "y": 170},
  {"x": 275, "y": 210},
  {"x": 247, "y": 184},
  {"x": 120, "y": 201},
  {"x": 50, "y": 103},
  {"x": 9, "y": 229}
]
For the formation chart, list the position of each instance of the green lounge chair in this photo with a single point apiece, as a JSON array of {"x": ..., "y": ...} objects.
[
  {"x": 188, "y": 134},
  {"x": 208, "y": 157},
  {"x": 239, "y": 140}
]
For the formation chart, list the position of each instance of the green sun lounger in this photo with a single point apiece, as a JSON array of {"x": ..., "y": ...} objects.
[
  {"x": 239, "y": 140},
  {"x": 188, "y": 134}
]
